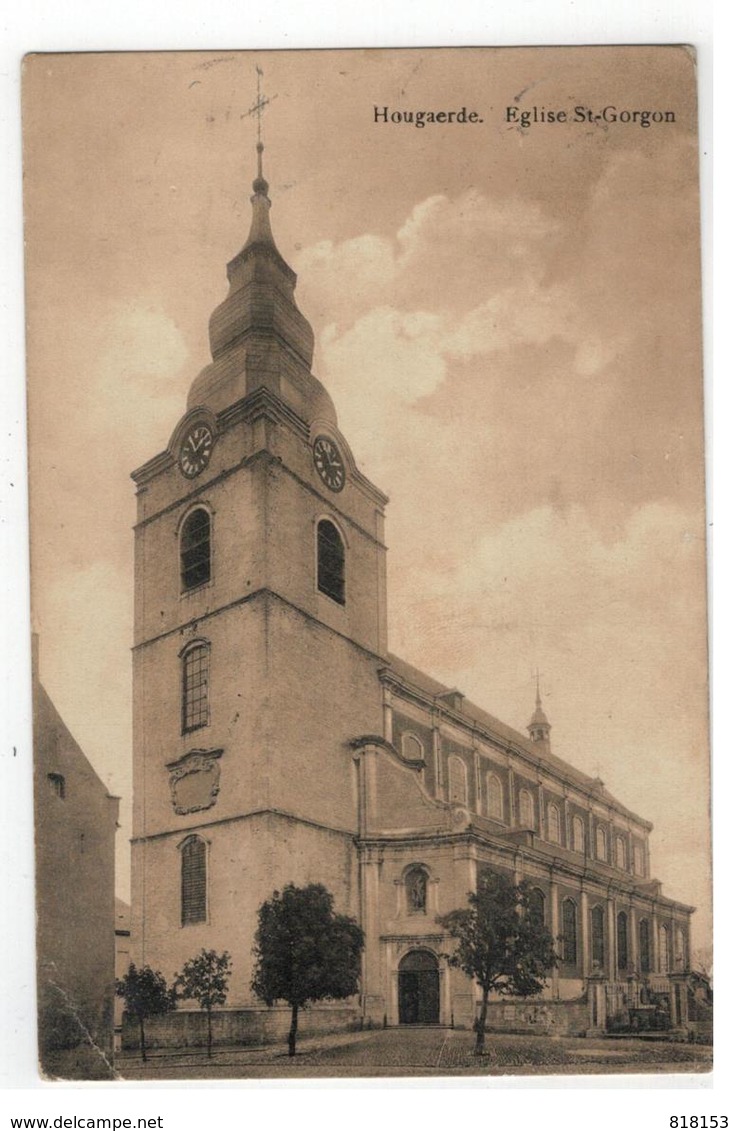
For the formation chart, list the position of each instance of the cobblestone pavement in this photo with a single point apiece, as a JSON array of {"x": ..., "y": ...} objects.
[{"x": 421, "y": 1051}]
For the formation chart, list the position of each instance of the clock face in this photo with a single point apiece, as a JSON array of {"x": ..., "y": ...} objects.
[
  {"x": 195, "y": 450},
  {"x": 329, "y": 463}
]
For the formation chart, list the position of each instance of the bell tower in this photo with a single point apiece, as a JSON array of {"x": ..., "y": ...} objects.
[{"x": 260, "y": 627}]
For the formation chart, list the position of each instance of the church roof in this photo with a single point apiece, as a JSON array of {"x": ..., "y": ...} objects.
[{"x": 473, "y": 715}]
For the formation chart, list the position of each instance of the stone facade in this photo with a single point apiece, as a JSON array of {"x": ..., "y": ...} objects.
[{"x": 276, "y": 740}]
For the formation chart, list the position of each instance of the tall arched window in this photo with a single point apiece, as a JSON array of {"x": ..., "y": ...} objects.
[
  {"x": 494, "y": 797},
  {"x": 537, "y": 905},
  {"x": 457, "y": 788},
  {"x": 679, "y": 950},
  {"x": 569, "y": 931},
  {"x": 331, "y": 562},
  {"x": 622, "y": 940},
  {"x": 600, "y": 843},
  {"x": 554, "y": 823},
  {"x": 638, "y": 860},
  {"x": 619, "y": 852},
  {"x": 195, "y": 687},
  {"x": 663, "y": 949},
  {"x": 194, "y": 880},
  {"x": 577, "y": 831},
  {"x": 598, "y": 938},
  {"x": 194, "y": 549},
  {"x": 525, "y": 809},
  {"x": 644, "y": 945},
  {"x": 416, "y": 889}
]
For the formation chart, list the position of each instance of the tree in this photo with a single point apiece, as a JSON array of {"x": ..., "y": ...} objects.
[
  {"x": 146, "y": 994},
  {"x": 500, "y": 942},
  {"x": 204, "y": 978},
  {"x": 304, "y": 951}
]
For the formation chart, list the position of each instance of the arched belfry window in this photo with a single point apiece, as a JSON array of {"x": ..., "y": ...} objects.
[
  {"x": 195, "y": 687},
  {"x": 620, "y": 852},
  {"x": 331, "y": 562},
  {"x": 577, "y": 830},
  {"x": 416, "y": 890},
  {"x": 194, "y": 549},
  {"x": 194, "y": 886}
]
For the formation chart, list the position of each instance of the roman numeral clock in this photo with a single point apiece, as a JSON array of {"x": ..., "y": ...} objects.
[
  {"x": 329, "y": 463},
  {"x": 195, "y": 450}
]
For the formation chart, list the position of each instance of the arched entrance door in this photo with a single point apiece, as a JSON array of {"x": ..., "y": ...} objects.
[{"x": 418, "y": 989}]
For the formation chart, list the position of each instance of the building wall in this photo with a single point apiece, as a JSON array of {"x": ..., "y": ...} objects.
[
  {"x": 406, "y": 827},
  {"x": 247, "y": 860},
  {"x": 76, "y": 820}
]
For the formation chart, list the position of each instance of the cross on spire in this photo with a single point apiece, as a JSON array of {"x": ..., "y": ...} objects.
[{"x": 257, "y": 110}]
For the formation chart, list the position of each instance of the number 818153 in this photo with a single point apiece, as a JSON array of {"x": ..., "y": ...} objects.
[{"x": 698, "y": 1121}]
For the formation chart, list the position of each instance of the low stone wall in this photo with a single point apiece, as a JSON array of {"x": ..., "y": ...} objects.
[
  {"x": 563, "y": 1018},
  {"x": 189, "y": 1028}
]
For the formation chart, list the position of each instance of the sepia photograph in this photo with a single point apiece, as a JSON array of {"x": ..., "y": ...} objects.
[{"x": 368, "y": 563}]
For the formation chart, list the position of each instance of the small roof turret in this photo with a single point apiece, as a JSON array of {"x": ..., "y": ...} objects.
[{"x": 539, "y": 728}]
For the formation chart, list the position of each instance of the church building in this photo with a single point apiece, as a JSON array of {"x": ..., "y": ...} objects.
[{"x": 277, "y": 740}]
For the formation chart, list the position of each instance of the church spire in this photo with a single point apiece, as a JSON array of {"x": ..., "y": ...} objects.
[
  {"x": 539, "y": 728},
  {"x": 258, "y": 336},
  {"x": 261, "y": 229},
  {"x": 260, "y": 233}
]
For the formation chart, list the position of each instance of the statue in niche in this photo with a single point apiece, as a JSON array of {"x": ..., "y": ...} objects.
[{"x": 417, "y": 886}]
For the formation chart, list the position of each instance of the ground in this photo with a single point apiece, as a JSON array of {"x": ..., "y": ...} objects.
[{"x": 420, "y": 1052}]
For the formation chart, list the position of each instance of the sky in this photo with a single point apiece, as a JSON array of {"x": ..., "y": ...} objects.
[{"x": 507, "y": 319}]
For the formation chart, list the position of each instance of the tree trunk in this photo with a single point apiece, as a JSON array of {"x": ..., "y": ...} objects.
[
  {"x": 292, "y": 1038},
  {"x": 481, "y": 1024},
  {"x": 142, "y": 1038},
  {"x": 210, "y": 1034}
]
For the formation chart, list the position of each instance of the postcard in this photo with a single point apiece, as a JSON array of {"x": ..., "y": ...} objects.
[{"x": 368, "y": 563}]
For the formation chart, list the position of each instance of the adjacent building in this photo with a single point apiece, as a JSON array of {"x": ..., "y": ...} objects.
[
  {"x": 276, "y": 739},
  {"x": 76, "y": 820}
]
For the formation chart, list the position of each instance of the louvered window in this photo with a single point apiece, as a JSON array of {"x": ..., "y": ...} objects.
[{"x": 194, "y": 881}]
